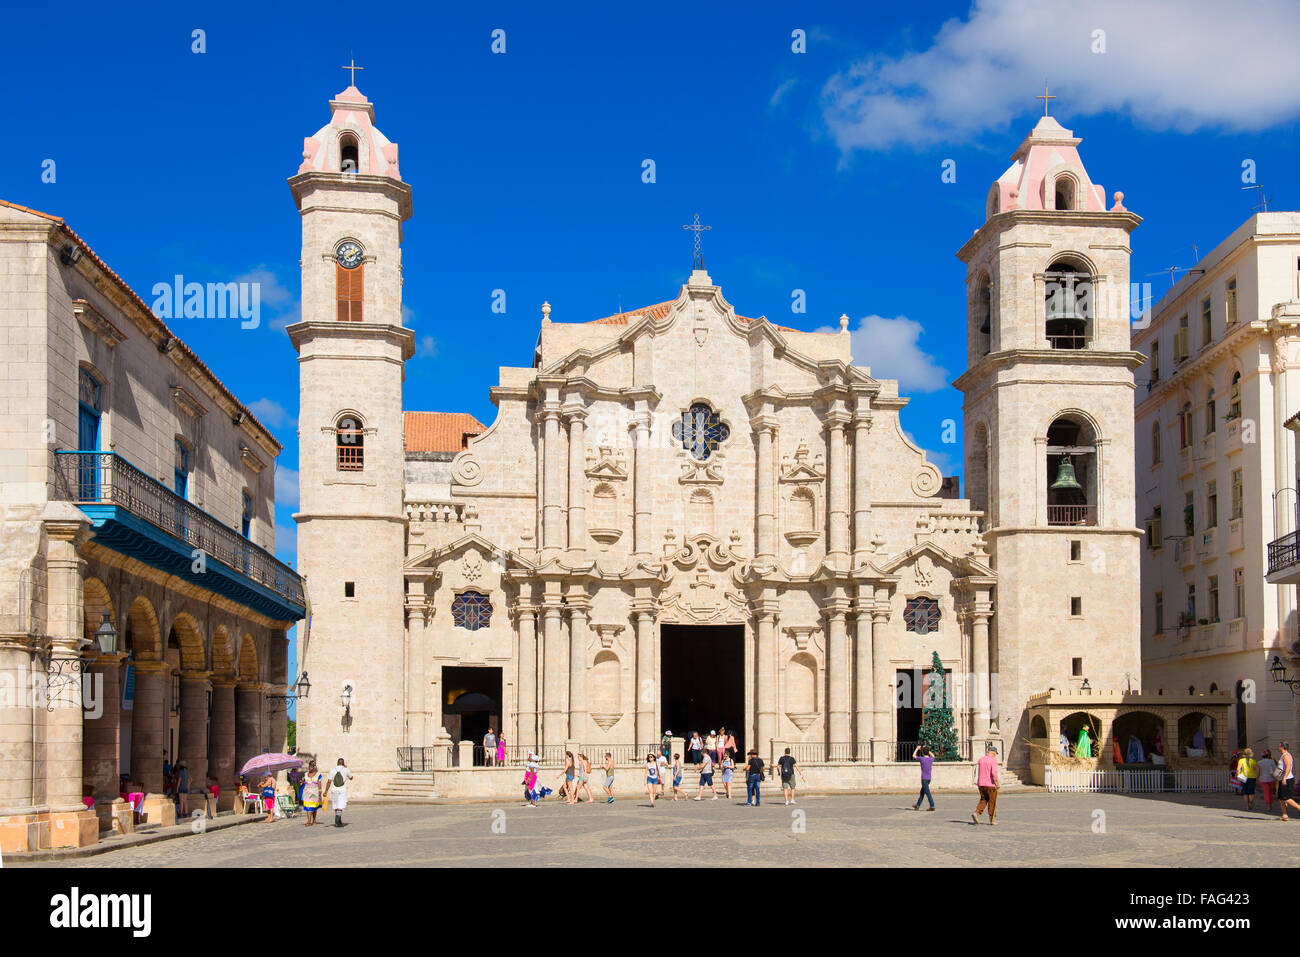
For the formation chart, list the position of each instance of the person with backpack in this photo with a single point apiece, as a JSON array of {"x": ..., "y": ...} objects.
[
  {"x": 706, "y": 777},
  {"x": 788, "y": 766},
  {"x": 753, "y": 778},
  {"x": 336, "y": 788}
]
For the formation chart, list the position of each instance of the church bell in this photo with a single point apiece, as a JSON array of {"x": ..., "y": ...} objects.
[{"x": 1065, "y": 480}]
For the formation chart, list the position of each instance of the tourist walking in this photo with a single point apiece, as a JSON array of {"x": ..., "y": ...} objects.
[
  {"x": 501, "y": 749},
  {"x": 711, "y": 745},
  {"x": 489, "y": 748},
  {"x": 530, "y": 781},
  {"x": 663, "y": 774},
  {"x": 569, "y": 773},
  {"x": 584, "y": 772},
  {"x": 1267, "y": 778},
  {"x": 336, "y": 788},
  {"x": 788, "y": 766},
  {"x": 1248, "y": 771},
  {"x": 706, "y": 777},
  {"x": 1286, "y": 780},
  {"x": 268, "y": 796},
  {"x": 609, "y": 778},
  {"x": 666, "y": 745},
  {"x": 924, "y": 757},
  {"x": 651, "y": 776},
  {"x": 753, "y": 778},
  {"x": 986, "y": 779},
  {"x": 696, "y": 747},
  {"x": 729, "y": 746},
  {"x": 677, "y": 775},
  {"x": 183, "y": 788},
  {"x": 312, "y": 787},
  {"x": 728, "y": 769}
]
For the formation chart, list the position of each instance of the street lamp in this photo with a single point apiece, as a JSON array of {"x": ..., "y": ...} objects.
[
  {"x": 1278, "y": 672},
  {"x": 105, "y": 637}
]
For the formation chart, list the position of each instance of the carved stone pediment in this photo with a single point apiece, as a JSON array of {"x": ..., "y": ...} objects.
[
  {"x": 703, "y": 582},
  {"x": 804, "y": 637},
  {"x": 609, "y": 465},
  {"x": 702, "y": 473},
  {"x": 798, "y": 468}
]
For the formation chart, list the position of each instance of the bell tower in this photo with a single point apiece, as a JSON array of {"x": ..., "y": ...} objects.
[
  {"x": 352, "y": 350},
  {"x": 1049, "y": 429}
]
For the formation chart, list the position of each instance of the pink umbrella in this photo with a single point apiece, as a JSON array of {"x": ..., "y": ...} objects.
[{"x": 269, "y": 764}]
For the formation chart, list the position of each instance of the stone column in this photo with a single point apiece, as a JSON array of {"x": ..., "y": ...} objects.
[
  {"x": 221, "y": 759},
  {"x": 765, "y": 507},
  {"x": 979, "y": 645},
  {"x": 527, "y": 675},
  {"x": 64, "y": 729},
  {"x": 861, "y": 484},
  {"x": 248, "y": 723},
  {"x": 647, "y": 682},
  {"x": 880, "y": 673},
  {"x": 417, "y": 665},
  {"x": 837, "y": 670},
  {"x": 837, "y": 478},
  {"x": 100, "y": 764},
  {"x": 18, "y": 789},
  {"x": 194, "y": 727},
  {"x": 765, "y": 611},
  {"x": 578, "y": 613},
  {"x": 577, "y": 417},
  {"x": 555, "y": 724},
  {"x": 863, "y": 685},
  {"x": 149, "y": 724},
  {"x": 642, "y": 483},
  {"x": 554, "y": 480}
]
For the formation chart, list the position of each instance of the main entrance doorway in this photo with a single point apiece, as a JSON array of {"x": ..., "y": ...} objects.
[
  {"x": 471, "y": 704},
  {"x": 702, "y": 670}
]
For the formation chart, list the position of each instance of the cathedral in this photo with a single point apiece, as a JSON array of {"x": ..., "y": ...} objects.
[{"x": 683, "y": 517}]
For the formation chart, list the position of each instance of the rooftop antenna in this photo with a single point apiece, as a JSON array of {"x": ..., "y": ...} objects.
[
  {"x": 1263, "y": 203},
  {"x": 1171, "y": 270}
]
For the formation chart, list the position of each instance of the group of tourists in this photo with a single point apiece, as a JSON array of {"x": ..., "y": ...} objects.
[
  {"x": 986, "y": 781},
  {"x": 1274, "y": 778},
  {"x": 311, "y": 789}
]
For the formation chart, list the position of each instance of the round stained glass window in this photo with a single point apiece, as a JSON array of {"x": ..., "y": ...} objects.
[{"x": 700, "y": 431}]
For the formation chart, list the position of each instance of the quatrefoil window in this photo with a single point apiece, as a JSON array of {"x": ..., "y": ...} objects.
[
  {"x": 921, "y": 615},
  {"x": 700, "y": 431}
]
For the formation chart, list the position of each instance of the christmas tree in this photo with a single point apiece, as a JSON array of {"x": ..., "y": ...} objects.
[{"x": 937, "y": 729}]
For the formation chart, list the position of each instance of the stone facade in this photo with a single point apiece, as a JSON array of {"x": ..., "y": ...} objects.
[
  {"x": 96, "y": 398},
  {"x": 682, "y": 490}
]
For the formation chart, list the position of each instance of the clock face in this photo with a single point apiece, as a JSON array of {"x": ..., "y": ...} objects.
[{"x": 349, "y": 255}]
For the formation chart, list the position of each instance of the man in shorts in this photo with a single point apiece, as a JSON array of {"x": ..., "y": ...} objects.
[
  {"x": 489, "y": 749},
  {"x": 609, "y": 778},
  {"x": 706, "y": 777},
  {"x": 1286, "y": 783},
  {"x": 788, "y": 766}
]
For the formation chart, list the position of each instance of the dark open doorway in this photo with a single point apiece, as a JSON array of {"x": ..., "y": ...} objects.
[
  {"x": 702, "y": 668},
  {"x": 471, "y": 703}
]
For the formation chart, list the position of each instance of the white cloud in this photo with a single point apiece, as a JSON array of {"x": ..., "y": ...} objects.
[
  {"x": 270, "y": 412},
  {"x": 408, "y": 316},
  {"x": 426, "y": 348},
  {"x": 779, "y": 94},
  {"x": 286, "y": 487},
  {"x": 892, "y": 349},
  {"x": 280, "y": 306},
  {"x": 1185, "y": 65}
]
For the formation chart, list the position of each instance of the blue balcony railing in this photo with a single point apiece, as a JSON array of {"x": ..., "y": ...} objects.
[{"x": 105, "y": 478}]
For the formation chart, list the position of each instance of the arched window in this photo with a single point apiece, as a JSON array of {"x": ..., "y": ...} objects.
[
  {"x": 246, "y": 514},
  {"x": 700, "y": 431},
  {"x": 994, "y": 204},
  {"x": 1068, "y": 298},
  {"x": 471, "y": 610},
  {"x": 1234, "y": 397},
  {"x": 921, "y": 615},
  {"x": 1155, "y": 443},
  {"x": 801, "y": 685},
  {"x": 984, "y": 314},
  {"x": 1071, "y": 473},
  {"x": 605, "y": 699},
  {"x": 349, "y": 155},
  {"x": 350, "y": 441},
  {"x": 1065, "y": 192}
]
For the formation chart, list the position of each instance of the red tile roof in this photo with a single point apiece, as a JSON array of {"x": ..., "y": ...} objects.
[
  {"x": 131, "y": 294},
  {"x": 440, "y": 431}
]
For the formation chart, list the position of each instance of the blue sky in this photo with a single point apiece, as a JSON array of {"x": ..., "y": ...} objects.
[{"x": 818, "y": 170}]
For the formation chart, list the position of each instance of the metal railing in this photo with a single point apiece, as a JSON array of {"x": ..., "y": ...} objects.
[
  {"x": 1071, "y": 515},
  {"x": 107, "y": 478},
  {"x": 1283, "y": 552}
]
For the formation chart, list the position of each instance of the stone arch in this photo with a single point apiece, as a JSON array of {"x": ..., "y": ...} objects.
[
  {"x": 981, "y": 312},
  {"x": 1190, "y": 725},
  {"x": 605, "y": 679},
  {"x": 604, "y": 507},
  {"x": 248, "y": 668},
  {"x": 1038, "y": 728},
  {"x": 801, "y": 684},
  {"x": 189, "y": 635},
  {"x": 1147, "y": 728},
  {"x": 142, "y": 631},
  {"x": 1070, "y": 727},
  {"x": 223, "y": 652},
  {"x": 96, "y": 603},
  {"x": 801, "y": 511}
]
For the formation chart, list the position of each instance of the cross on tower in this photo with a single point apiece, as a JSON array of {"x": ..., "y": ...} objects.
[
  {"x": 353, "y": 67},
  {"x": 697, "y": 229},
  {"x": 1045, "y": 98}
]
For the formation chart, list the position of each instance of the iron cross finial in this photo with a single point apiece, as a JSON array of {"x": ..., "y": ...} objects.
[
  {"x": 353, "y": 67},
  {"x": 1045, "y": 97},
  {"x": 697, "y": 229}
]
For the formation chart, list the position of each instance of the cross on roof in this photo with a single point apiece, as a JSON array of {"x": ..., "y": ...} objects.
[
  {"x": 1045, "y": 97},
  {"x": 353, "y": 67},
  {"x": 697, "y": 229}
]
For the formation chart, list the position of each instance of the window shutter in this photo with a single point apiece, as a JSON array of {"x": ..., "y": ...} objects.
[{"x": 349, "y": 292}]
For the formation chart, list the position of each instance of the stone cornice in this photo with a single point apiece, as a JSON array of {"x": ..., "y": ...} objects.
[
  {"x": 300, "y": 332},
  {"x": 1223, "y": 348},
  {"x": 1075, "y": 357},
  {"x": 1007, "y": 219}
]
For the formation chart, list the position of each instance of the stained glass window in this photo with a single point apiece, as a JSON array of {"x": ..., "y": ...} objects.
[
  {"x": 700, "y": 431},
  {"x": 922, "y": 615},
  {"x": 471, "y": 610}
]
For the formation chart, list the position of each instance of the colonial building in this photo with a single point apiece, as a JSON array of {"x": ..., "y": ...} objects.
[
  {"x": 142, "y": 615},
  {"x": 1217, "y": 475},
  {"x": 684, "y": 517}
]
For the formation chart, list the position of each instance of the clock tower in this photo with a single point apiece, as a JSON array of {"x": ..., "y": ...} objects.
[{"x": 352, "y": 350}]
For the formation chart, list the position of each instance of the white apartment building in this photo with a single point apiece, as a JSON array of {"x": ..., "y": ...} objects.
[{"x": 1216, "y": 478}]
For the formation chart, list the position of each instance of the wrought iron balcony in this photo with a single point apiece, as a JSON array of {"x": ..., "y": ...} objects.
[
  {"x": 136, "y": 514},
  {"x": 1284, "y": 560},
  {"x": 1071, "y": 515}
]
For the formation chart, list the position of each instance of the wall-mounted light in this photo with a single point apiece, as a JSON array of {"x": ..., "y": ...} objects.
[
  {"x": 167, "y": 345},
  {"x": 70, "y": 254}
]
